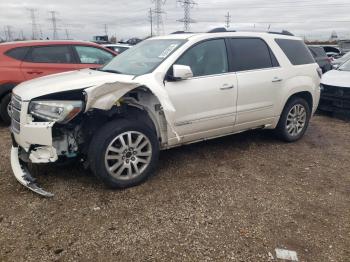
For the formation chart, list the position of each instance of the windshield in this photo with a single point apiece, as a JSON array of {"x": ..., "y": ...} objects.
[
  {"x": 344, "y": 57},
  {"x": 345, "y": 66},
  {"x": 144, "y": 57}
]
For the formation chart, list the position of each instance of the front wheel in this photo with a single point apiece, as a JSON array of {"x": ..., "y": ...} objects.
[
  {"x": 124, "y": 153},
  {"x": 5, "y": 109},
  {"x": 294, "y": 120}
]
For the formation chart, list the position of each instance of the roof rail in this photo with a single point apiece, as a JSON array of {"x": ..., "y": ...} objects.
[
  {"x": 223, "y": 30},
  {"x": 284, "y": 32},
  {"x": 180, "y": 32}
]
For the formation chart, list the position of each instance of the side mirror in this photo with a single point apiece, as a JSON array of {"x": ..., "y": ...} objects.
[
  {"x": 336, "y": 66},
  {"x": 182, "y": 72}
]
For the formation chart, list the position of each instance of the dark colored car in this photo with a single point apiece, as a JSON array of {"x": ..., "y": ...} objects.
[
  {"x": 321, "y": 58},
  {"x": 22, "y": 61}
]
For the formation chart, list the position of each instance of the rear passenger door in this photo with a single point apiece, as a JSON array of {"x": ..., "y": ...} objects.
[
  {"x": 91, "y": 57},
  {"x": 260, "y": 79},
  {"x": 46, "y": 60}
]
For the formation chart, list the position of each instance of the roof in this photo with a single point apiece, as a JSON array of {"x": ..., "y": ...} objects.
[{"x": 45, "y": 42}]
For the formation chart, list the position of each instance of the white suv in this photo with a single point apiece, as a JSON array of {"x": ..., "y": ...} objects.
[{"x": 165, "y": 92}]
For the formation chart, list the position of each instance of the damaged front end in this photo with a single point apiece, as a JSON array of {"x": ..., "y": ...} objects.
[{"x": 42, "y": 135}]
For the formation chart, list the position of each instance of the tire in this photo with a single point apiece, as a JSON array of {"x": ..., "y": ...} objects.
[
  {"x": 294, "y": 120},
  {"x": 106, "y": 150},
  {"x": 3, "y": 109}
]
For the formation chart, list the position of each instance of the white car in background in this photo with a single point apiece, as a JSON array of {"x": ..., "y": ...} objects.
[
  {"x": 164, "y": 92},
  {"x": 335, "y": 86},
  {"x": 119, "y": 48},
  {"x": 341, "y": 60}
]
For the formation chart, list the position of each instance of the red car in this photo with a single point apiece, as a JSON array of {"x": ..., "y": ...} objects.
[{"x": 22, "y": 61}]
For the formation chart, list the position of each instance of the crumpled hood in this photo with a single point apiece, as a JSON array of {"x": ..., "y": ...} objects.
[
  {"x": 67, "y": 81},
  {"x": 336, "y": 78}
]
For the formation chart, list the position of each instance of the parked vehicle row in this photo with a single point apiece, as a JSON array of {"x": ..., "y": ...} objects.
[
  {"x": 23, "y": 61},
  {"x": 165, "y": 92}
]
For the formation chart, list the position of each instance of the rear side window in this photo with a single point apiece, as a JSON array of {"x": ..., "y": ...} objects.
[
  {"x": 251, "y": 54},
  {"x": 296, "y": 51},
  {"x": 59, "y": 54},
  {"x": 18, "y": 53},
  {"x": 93, "y": 55}
]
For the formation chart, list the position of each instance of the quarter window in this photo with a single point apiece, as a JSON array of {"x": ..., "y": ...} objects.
[
  {"x": 18, "y": 53},
  {"x": 59, "y": 54},
  {"x": 251, "y": 54},
  {"x": 207, "y": 58},
  {"x": 92, "y": 55},
  {"x": 296, "y": 51}
]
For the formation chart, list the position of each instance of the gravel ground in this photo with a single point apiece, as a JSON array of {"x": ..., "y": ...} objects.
[{"x": 230, "y": 199}]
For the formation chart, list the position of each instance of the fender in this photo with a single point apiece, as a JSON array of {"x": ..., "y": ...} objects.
[
  {"x": 296, "y": 85},
  {"x": 105, "y": 96}
]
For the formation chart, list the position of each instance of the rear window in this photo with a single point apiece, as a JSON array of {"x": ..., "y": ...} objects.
[
  {"x": 18, "y": 53},
  {"x": 59, "y": 54},
  {"x": 296, "y": 51}
]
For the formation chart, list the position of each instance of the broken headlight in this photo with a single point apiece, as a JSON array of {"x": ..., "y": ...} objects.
[{"x": 56, "y": 111}]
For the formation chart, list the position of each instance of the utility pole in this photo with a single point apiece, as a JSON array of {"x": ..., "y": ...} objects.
[
  {"x": 34, "y": 24},
  {"x": 106, "y": 29},
  {"x": 158, "y": 13},
  {"x": 150, "y": 16},
  {"x": 8, "y": 33},
  {"x": 228, "y": 20},
  {"x": 187, "y": 21},
  {"x": 67, "y": 34},
  {"x": 54, "y": 24}
]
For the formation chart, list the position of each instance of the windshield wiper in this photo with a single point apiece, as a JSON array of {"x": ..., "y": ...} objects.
[{"x": 109, "y": 71}]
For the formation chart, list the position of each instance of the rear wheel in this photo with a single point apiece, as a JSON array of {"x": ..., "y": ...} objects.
[
  {"x": 5, "y": 109},
  {"x": 124, "y": 153},
  {"x": 294, "y": 120}
]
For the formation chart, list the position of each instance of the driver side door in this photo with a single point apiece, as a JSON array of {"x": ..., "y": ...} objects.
[{"x": 205, "y": 103}]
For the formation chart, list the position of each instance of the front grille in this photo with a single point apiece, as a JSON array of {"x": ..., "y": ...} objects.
[
  {"x": 335, "y": 99},
  {"x": 16, "y": 106}
]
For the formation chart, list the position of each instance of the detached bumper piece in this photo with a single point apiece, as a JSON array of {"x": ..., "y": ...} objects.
[
  {"x": 335, "y": 99},
  {"x": 23, "y": 176}
]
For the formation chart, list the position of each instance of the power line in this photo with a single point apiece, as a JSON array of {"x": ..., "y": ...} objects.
[
  {"x": 34, "y": 24},
  {"x": 186, "y": 20},
  {"x": 228, "y": 20},
  {"x": 54, "y": 24},
  {"x": 158, "y": 13}
]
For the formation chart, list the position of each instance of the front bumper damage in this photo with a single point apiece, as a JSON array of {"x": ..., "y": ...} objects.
[{"x": 23, "y": 176}]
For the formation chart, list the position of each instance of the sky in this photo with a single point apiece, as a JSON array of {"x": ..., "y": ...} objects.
[{"x": 82, "y": 19}]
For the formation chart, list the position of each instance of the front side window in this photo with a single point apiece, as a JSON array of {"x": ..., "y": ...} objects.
[
  {"x": 251, "y": 54},
  {"x": 144, "y": 57},
  {"x": 51, "y": 54},
  {"x": 207, "y": 58},
  {"x": 93, "y": 55}
]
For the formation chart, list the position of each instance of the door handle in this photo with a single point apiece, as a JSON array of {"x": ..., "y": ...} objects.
[
  {"x": 276, "y": 80},
  {"x": 34, "y": 72},
  {"x": 227, "y": 87}
]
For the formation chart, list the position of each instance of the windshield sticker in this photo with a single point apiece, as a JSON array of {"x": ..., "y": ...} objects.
[{"x": 168, "y": 51}]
